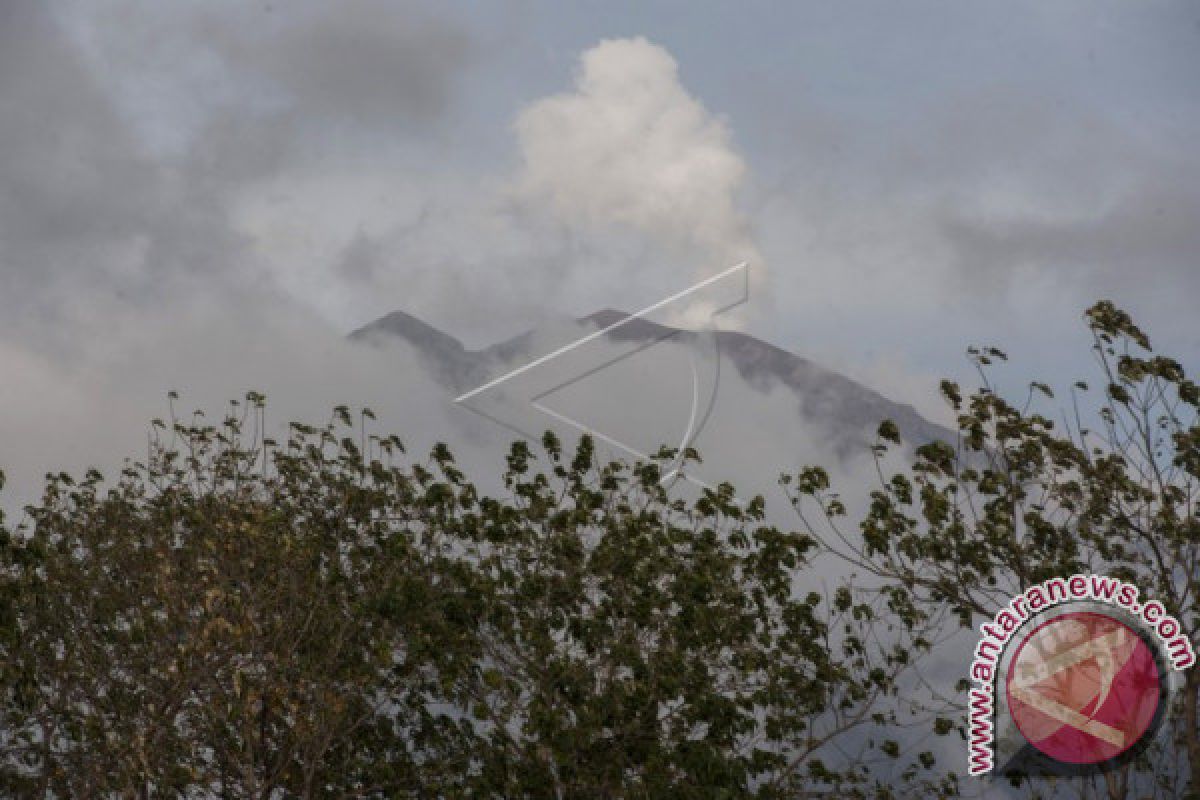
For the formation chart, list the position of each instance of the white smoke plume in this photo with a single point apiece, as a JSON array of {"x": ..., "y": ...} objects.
[{"x": 629, "y": 148}]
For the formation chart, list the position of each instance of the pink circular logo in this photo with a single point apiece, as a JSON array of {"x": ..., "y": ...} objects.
[{"x": 1083, "y": 688}]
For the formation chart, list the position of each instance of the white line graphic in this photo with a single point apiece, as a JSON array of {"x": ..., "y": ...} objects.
[{"x": 696, "y": 416}]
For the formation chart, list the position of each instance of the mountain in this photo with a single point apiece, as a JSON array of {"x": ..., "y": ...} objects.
[{"x": 846, "y": 410}]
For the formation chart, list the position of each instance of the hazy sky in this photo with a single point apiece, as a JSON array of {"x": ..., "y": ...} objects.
[{"x": 905, "y": 178}]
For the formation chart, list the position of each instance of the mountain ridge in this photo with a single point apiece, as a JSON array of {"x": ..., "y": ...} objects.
[{"x": 840, "y": 404}]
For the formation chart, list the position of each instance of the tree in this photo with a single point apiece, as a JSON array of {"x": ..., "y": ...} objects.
[
  {"x": 239, "y": 618},
  {"x": 206, "y": 626},
  {"x": 1019, "y": 499}
]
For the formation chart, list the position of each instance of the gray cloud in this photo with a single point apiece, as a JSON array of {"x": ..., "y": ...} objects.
[
  {"x": 97, "y": 201},
  {"x": 229, "y": 163},
  {"x": 1149, "y": 226},
  {"x": 124, "y": 271},
  {"x": 624, "y": 180},
  {"x": 74, "y": 193},
  {"x": 991, "y": 218},
  {"x": 373, "y": 62}
]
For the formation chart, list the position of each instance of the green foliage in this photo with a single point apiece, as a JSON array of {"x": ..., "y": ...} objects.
[
  {"x": 240, "y": 618},
  {"x": 1017, "y": 499}
]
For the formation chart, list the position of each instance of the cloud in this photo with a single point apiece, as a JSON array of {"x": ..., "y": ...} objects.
[
  {"x": 1109, "y": 241},
  {"x": 383, "y": 64},
  {"x": 228, "y": 164},
  {"x": 630, "y": 148},
  {"x": 64, "y": 151},
  {"x": 131, "y": 136},
  {"x": 124, "y": 270},
  {"x": 141, "y": 265},
  {"x": 388, "y": 68},
  {"x": 92, "y": 407},
  {"x": 994, "y": 218},
  {"x": 625, "y": 189}
]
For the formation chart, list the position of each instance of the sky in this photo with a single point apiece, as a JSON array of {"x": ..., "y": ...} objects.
[{"x": 208, "y": 196}]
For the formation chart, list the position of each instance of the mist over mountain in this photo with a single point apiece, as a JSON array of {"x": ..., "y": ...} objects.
[{"x": 844, "y": 411}]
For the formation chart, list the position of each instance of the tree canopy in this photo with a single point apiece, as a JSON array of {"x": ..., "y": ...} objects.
[
  {"x": 319, "y": 617},
  {"x": 326, "y": 617},
  {"x": 1112, "y": 487}
]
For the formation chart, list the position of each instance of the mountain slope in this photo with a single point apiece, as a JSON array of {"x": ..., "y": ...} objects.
[{"x": 840, "y": 406}]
